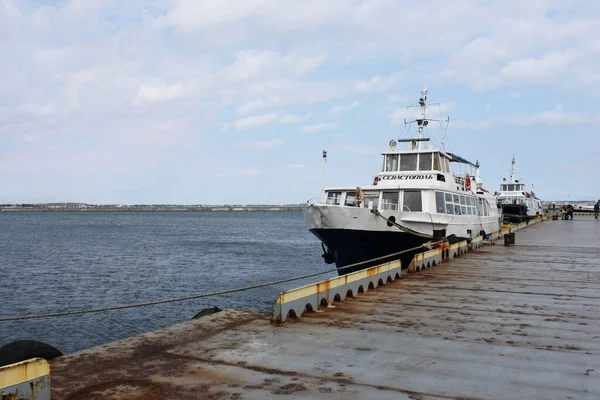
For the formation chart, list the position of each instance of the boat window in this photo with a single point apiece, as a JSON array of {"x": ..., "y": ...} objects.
[
  {"x": 436, "y": 162},
  {"x": 392, "y": 162},
  {"x": 463, "y": 210},
  {"x": 463, "y": 201},
  {"x": 440, "y": 205},
  {"x": 371, "y": 200},
  {"x": 469, "y": 211},
  {"x": 457, "y": 209},
  {"x": 334, "y": 198},
  {"x": 389, "y": 200},
  {"x": 449, "y": 208},
  {"x": 448, "y": 198},
  {"x": 456, "y": 199},
  {"x": 425, "y": 162},
  {"x": 408, "y": 162},
  {"x": 511, "y": 188},
  {"x": 412, "y": 201},
  {"x": 350, "y": 199}
]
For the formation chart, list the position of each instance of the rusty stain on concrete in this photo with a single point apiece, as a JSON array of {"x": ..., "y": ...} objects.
[{"x": 499, "y": 323}]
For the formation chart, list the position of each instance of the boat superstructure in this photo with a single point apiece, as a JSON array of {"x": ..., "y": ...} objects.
[
  {"x": 422, "y": 194},
  {"x": 515, "y": 202}
]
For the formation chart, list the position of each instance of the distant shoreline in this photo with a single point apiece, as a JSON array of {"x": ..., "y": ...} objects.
[{"x": 150, "y": 209}]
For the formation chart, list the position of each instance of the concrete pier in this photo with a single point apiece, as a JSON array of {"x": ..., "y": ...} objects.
[{"x": 517, "y": 322}]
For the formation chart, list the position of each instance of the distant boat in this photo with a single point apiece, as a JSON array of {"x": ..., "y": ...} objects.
[
  {"x": 515, "y": 202},
  {"x": 416, "y": 198}
]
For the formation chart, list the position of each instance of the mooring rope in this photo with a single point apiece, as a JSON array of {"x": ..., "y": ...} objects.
[
  {"x": 198, "y": 296},
  {"x": 403, "y": 228}
]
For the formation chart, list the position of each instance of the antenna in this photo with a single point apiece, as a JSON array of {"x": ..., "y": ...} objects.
[
  {"x": 324, "y": 170},
  {"x": 423, "y": 121},
  {"x": 512, "y": 169}
]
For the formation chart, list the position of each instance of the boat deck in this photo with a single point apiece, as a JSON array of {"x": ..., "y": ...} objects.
[{"x": 498, "y": 323}]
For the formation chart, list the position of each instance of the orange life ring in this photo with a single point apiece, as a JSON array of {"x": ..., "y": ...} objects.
[{"x": 468, "y": 182}]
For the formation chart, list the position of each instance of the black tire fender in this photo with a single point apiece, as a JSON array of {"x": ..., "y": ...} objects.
[{"x": 22, "y": 350}]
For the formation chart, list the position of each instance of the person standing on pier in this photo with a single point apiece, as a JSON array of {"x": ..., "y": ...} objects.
[{"x": 596, "y": 209}]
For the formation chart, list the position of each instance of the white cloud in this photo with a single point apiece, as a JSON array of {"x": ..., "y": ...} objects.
[
  {"x": 538, "y": 70},
  {"x": 255, "y": 121},
  {"x": 343, "y": 108},
  {"x": 317, "y": 128},
  {"x": 158, "y": 93},
  {"x": 553, "y": 118},
  {"x": 252, "y": 64},
  {"x": 293, "y": 119},
  {"x": 378, "y": 83},
  {"x": 550, "y": 118},
  {"x": 260, "y": 145}
]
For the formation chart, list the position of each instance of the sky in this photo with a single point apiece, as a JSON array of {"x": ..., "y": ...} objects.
[{"x": 233, "y": 101}]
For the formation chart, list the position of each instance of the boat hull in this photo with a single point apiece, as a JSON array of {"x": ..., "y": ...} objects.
[
  {"x": 355, "y": 235},
  {"x": 516, "y": 213},
  {"x": 349, "y": 246}
]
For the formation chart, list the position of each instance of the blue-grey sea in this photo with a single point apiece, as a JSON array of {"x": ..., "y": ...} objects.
[{"x": 53, "y": 262}]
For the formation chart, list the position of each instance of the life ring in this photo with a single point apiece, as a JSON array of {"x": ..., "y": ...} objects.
[
  {"x": 468, "y": 182},
  {"x": 375, "y": 181}
]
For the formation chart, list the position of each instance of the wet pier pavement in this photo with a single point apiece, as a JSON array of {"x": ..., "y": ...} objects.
[{"x": 518, "y": 322}]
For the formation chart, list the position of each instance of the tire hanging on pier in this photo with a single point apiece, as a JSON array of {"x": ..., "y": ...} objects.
[{"x": 22, "y": 350}]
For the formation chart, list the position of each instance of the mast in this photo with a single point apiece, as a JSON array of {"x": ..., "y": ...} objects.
[
  {"x": 512, "y": 170},
  {"x": 423, "y": 121}
]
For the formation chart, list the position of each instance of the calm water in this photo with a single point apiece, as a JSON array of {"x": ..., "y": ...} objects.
[{"x": 52, "y": 262}]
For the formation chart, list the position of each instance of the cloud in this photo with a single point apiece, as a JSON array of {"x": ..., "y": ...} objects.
[
  {"x": 544, "y": 69},
  {"x": 549, "y": 118},
  {"x": 378, "y": 83},
  {"x": 252, "y": 64},
  {"x": 260, "y": 145},
  {"x": 343, "y": 108},
  {"x": 158, "y": 93},
  {"x": 255, "y": 121},
  {"x": 317, "y": 128},
  {"x": 293, "y": 119}
]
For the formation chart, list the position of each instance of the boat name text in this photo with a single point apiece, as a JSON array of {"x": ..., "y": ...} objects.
[{"x": 406, "y": 177}]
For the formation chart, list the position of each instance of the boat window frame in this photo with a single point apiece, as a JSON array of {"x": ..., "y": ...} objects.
[
  {"x": 385, "y": 206},
  {"x": 420, "y": 197},
  {"x": 438, "y": 205},
  {"x": 352, "y": 194},
  {"x": 333, "y": 201},
  {"x": 408, "y": 156},
  {"x": 389, "y": 164},
  {"x": 427, "y": 155}
]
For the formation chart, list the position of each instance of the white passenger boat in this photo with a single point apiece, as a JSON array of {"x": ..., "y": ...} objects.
[{"x": 422, "y": 194}]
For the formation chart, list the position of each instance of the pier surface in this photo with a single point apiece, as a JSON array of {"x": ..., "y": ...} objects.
[{"x": 519, "y": 322}]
